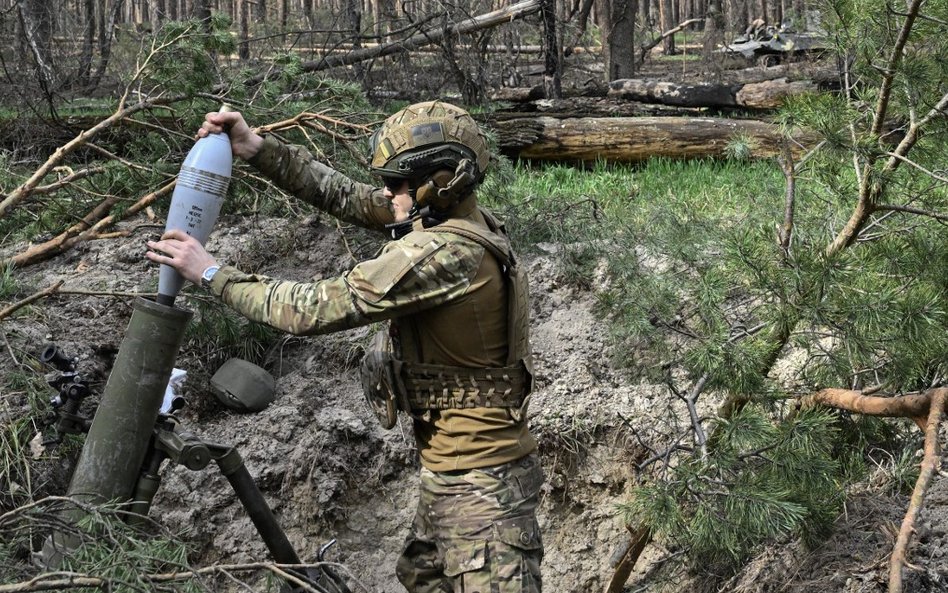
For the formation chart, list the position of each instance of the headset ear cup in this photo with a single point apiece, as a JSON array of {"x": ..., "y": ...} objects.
[
  {"x": 425, "y": 194},
  {"x": 429, "y": 194}
]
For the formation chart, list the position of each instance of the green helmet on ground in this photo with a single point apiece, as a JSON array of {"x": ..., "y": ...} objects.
[
  {"x": 243, "y": 386},
  {"x": 426, "y": 137}
]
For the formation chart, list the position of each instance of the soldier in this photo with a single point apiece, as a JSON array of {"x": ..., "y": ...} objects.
[{"x": 456, "y": 355}]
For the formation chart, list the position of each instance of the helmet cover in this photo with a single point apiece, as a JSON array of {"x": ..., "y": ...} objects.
[{"x": 425, "y": 137}]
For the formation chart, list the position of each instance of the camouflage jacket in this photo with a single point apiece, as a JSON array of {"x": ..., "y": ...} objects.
[{"x": 442, "y": 289}]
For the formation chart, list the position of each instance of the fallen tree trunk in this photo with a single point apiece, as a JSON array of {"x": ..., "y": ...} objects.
[
  {"x": 824, "y": 74},
  {"x": 574, "y": 107},
  {"x": 631, "y": 139},
  {"x": 768, "y": 94}
]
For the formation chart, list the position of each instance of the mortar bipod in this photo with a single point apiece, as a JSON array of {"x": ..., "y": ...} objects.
[{"x": 194, "y": 453}]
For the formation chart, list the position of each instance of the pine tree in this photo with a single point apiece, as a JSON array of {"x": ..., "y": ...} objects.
[{"x": 843, "y": 271}]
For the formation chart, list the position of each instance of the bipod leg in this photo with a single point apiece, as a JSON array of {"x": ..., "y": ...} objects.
[{"x": 233, "y": 468}]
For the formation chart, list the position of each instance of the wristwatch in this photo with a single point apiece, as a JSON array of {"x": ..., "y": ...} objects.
[{"x": 208, "y": 275}]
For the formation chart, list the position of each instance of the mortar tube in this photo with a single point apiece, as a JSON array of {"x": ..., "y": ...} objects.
[{"x": 114, "y": 450}]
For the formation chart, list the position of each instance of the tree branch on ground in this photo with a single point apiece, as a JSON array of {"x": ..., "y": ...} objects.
[
  {"x": 85, "y": 230},
  {"x": 10, "y": 310},
  {"x": 58, "y": 581},
  {"x": 640, "y": 535}
]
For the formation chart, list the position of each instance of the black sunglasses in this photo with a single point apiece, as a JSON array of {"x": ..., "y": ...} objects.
[{"x": 393, "y": 183}]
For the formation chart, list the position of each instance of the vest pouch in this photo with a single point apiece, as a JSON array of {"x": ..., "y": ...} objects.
[{"x": 381, "y": 379}]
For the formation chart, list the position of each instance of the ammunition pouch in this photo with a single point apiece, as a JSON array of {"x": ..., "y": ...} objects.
[
  {"x": 391, "y": 385},
  {"x": 438, "y": 387},
  {"x": 381, "y": 380}
]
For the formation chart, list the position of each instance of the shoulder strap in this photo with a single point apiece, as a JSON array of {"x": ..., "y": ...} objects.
[{"x": 494, "y": 239}]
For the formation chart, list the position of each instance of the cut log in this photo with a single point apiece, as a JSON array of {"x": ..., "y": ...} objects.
[
  {"x": 674, "y": 93},
  {"x": 824, "y": 74},
  {"x": 771, "y": 94},
  {"x": 574, "y": 107},
  {"x": 762, "y": 95},
  {"x": 631, "y": 139}
]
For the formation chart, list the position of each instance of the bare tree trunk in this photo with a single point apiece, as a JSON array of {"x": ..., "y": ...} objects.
[
  {"x": 553, "y": 63},
  {"x": 88, "y": 41},
  {"x": 243, "y": 47},
  {"x": 713, "y": 31},
  {"x": 202, "y": 11},
  {"x": 737, "y": 15},
  {"x": 667, "y": 22},
  {"x": 799, "y": 14},
  {"x": 583, "y": 19},
  {"x": 618, "y": 33},
  {"x": 36, "y": 23},
  {"x": 106, "y": 32},
  {"x": 354, "y": 18}
]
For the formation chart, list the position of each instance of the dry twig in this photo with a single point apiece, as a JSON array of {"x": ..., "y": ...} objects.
[{"x": 30, "y": 299}]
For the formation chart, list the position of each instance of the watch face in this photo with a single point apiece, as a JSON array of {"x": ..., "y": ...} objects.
[{"x": 209, "y": 275}]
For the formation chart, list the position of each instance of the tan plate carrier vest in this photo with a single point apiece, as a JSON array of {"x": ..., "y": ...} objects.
[{"x": 391, "y": 384}]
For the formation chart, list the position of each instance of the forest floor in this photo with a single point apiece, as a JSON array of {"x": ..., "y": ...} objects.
[{"x": 330, "y": 472}]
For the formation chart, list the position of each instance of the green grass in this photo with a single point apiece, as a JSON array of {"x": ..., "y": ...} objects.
[
  {"x": 25, "y": 397},
  {"x": 588, "y": 211}
]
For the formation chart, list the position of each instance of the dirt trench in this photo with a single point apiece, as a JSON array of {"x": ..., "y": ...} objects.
[{"x": 330, "y": 472}]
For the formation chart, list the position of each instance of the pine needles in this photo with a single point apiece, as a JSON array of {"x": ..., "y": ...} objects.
[{"x": 762, "y": 481}]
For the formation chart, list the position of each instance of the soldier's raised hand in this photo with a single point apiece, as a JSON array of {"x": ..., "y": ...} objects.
[{"x": 243, "y": 141}]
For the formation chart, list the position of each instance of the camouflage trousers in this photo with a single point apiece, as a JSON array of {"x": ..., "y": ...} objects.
[{"x": 476, "y": 531}]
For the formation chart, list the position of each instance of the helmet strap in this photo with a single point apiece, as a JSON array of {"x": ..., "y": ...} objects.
[{"x": 425, "y": 215}]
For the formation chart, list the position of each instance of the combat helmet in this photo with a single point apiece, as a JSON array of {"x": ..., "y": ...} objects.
[{"x": 437, "y": 146}]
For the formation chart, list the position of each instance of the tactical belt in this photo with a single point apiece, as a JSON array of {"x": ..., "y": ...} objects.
[{"x": 439, "y": 387}]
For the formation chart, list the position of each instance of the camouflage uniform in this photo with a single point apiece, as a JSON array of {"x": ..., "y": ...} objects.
[{"x": 446, "y": 298}]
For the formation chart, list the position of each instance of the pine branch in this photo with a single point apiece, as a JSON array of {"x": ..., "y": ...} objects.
[
  {"x": 931, "y": 174},
  {"x": 929, "y": 465},
  {"x": 910, "y": 210},
  {"x": 892, "y": 64},
  {"x": 789, "y": 172},
  {"x": 84, "y": 231},
  {"x": 905, "y": 406}
]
